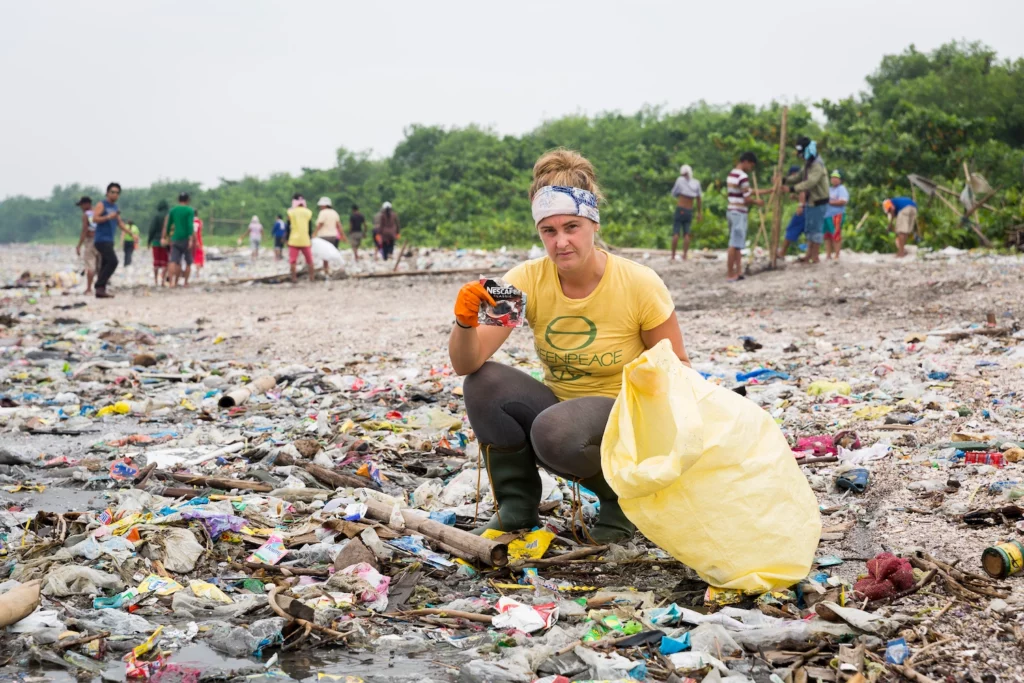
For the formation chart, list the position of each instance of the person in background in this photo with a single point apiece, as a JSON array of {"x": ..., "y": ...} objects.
[
  {"x": 386, "y": 222},
  {"x": 797, "y": 225},
  {"x": 199, "y": 254},
  {"x": 108, "y": 220},
  {"x": 328, "y": 227},
  {"x": 811, "y": 182},
  {"x": 179, "y": 233},
  {"x": 740, "y": 199},
  {"x": 299, "y": 217},
  {"x": 130, "y": 242},
  {"x": 902, "y": 212},
  {"x": 686, "y": 190},
  {"x": 255, "y": 232},
  {"x": 835, "y": 214},
  {"x": 375, "y": 234},
  {"x": 279, "y": 233},
  {"x": 356, "y": 223},
  {"x": 328, "y": 223},
  {"x": 157, "y": 245},
  {"x": 86, "y": 247}
]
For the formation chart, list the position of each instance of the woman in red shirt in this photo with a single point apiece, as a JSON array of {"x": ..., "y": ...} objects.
[{"x": 199, "y": 253}]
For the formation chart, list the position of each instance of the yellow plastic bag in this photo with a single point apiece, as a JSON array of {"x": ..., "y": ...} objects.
[
  {"x": 707, "y": 475},
  {"x": 821, "y": 386},
  {"x": 202, "y": 589}
]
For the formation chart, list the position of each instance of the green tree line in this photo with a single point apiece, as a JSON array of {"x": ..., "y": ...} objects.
[{"x": 924, "y": 113}]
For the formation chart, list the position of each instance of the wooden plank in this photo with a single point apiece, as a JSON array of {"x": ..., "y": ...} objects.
[{"x": 777, "y": 187}]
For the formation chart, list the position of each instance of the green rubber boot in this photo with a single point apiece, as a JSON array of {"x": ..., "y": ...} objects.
[
  {"x": 515, "y": 482},
  {"x": 612, "y": 524}
]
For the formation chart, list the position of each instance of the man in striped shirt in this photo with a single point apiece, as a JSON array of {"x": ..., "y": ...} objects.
[{"x": 740, "y": 199}]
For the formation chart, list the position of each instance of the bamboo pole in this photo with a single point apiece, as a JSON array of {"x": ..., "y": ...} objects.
[
  {"x": 223, "y": 483},
  {"x": 777, "y": 189},
  {"x": 913, "y": 196},
  {"x": 762, "y": 232},
  {"x": 860, "y": 222},
  {"x": 237, "y": 397},
  {"x": 462, "y": 543},
  {"x": 981, "y": 202}
]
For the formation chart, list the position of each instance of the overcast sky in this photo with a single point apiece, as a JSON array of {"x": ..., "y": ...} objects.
[{"x": 139, "y": 90}]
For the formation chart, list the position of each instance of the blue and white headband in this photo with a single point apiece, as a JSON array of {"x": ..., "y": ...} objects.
[{"x": 558, "y": 200}]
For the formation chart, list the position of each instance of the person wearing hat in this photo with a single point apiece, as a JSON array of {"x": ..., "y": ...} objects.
[
  {"x": 86, "y": 247},
  {"x": 389, "y": 230},
  {"x": 686, "y": 190},
  {"x": 741, "y": 196},
  {"x": 835, "y": 214},
  {"x": 902, "y": 213},
  {"x": 811, "y": 183},
  {"x": 328, "y": 227},
  {"x": 328, "y": 223}
]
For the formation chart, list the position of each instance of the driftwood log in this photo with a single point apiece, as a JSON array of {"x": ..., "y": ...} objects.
[{"x": 461, "y": 543}]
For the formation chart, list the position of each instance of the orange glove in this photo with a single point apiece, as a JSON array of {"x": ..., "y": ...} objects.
[{"x": 467, "y": 304}]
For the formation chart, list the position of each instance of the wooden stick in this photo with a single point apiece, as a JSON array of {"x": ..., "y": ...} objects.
[
  {"x": 916, "y": 656},
  {"x": 777, "y": 185},
  {"x": 297, "y": 571},
  {"x": 448, "y": 271},
  {"x": 948, "y": 203},
  {"x": 561, "y": 559},
  {"x": 984, "y": 331},
  {"x": 470, "y": 546},
  {"x": 271, "y": 599},
  {"x": 821, "y": 460},
  {"x": 223, "y": 483},
  {"x": 861, "y": 221},
  {"x": 762, "y": 232},
  {"x": 913, "y": 197},
  {"x": 338, "y": 480},
  {"x": 237, "y": 397},
  {"x": 910, "y": 674},
  {"x": 69, "y": 643},
  {"x": 177, "y": 492},
  {"x": 401, "y": 252},
  {"x": 143, "y": 476},
  {"x": 454, "y": 614},
  {"x": 981, "y": 202}
]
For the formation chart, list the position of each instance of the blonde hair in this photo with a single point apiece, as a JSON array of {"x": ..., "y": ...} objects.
[{"x": 564, "y": 167}]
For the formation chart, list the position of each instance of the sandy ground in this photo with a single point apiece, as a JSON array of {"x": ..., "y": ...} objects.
[{"x": 833, "y": 321}]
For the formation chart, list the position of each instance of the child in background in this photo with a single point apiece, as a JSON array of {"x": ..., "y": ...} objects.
[{"x": 838, "y": 198}]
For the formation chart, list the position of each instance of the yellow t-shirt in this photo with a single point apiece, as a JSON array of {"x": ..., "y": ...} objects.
[
  {"x": 300, "y": 217},
  {"x": 329, "y": 222},
  {"x": 585, "y": 343}
]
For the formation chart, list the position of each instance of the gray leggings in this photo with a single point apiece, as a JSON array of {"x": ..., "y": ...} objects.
[{"x": 506, "y": 406}]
